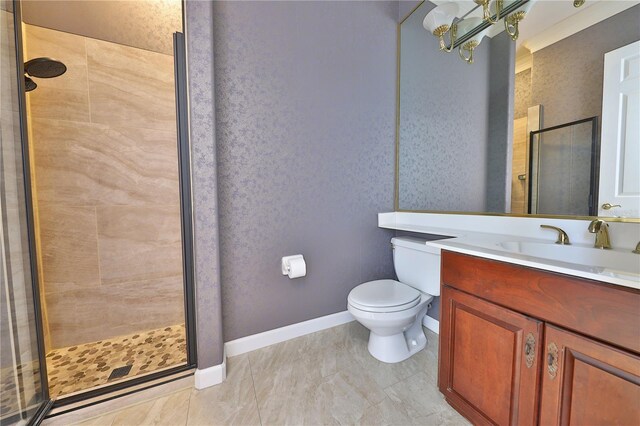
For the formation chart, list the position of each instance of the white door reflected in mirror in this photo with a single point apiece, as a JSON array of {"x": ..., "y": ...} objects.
[{"x": 619, "y": 191}]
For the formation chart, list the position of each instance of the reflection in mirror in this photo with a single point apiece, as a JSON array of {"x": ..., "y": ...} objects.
[
  {"x": 563, "y": 173},
  {"x": 464, "y": 131}
]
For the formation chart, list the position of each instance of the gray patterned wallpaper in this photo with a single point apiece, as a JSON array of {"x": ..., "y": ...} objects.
[
  {"x": 500, "y": 132},
  {"x": 522, "y": 100},
  {"x": 405, "y": 7},
  {"x": 199, "y": 36},
  {"x": 305, "y": 114},
  {"x": 573, "y": 91},
  {"x": 444, "y": 107}
]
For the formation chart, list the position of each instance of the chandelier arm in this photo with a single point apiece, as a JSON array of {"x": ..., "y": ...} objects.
[
  {"x": 486, "y": 11},
  {"x": 511, "y": 28},
  {"x": 467, "y": 59},
  {"x": 453, "y": 32}
]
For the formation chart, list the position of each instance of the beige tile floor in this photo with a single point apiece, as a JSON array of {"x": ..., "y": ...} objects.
[{"x": 325, "y": 378}]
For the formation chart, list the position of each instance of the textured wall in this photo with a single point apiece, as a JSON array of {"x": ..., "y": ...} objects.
[
  {"x": 573, "y": 91},
  {"x": 500, "y": 132},
  {"x": 106, "y": 186},
  {"x": 405, "y": 7},
  {"x": 305, "y": 96},
  {"x": 145, "y": 24},
  {"x": 444, "y": 107},
  {"x": 199, "y": 38},
  {"x": 522, "y": 99}
]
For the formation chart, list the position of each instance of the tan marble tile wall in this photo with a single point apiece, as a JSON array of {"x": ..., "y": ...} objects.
[
  {"x": 519, "y": 166},
  {"x": 106, "y": 187}
]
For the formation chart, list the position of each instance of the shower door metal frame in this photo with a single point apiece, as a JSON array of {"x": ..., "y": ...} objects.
[
  {"x": 94, "y": 396},
  {"x": 47, "y": 403},
  {"x": 595, "y": 162},
  {"x": 126, "y": 387},
  {"x": 186, "y": 213}
]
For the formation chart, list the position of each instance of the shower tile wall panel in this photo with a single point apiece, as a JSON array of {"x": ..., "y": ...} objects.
[
  {"x": 305, "y": 119},
  {"x": 129, "y": 85},
  {"x": 95, "y": 164},
  {"x": 66, "y": 97},
  {"x": 139, "y": 243},
  {"x": 106, "y": 175},
  {"x": 69, "y": 245}
]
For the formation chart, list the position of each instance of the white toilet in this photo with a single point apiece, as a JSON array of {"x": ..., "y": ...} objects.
[{"x": 392, "y": 310}]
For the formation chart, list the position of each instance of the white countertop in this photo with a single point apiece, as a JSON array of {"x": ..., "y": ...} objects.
[{"x": 489, "y": 245}]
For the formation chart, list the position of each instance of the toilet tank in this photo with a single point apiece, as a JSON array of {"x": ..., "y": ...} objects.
[{"x": 417, "y": 264}]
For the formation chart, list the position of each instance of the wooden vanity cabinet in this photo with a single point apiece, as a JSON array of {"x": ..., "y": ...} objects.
[
  {"x": 593, "y": 384},
  {"x": 524, "y": 346},
  {"x": 491, "y": 372}
]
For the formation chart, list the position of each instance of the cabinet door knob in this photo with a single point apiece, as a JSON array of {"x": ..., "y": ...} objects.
[
  {"x": 530, "y": 350},
  {"x": 552, "y": 360}
]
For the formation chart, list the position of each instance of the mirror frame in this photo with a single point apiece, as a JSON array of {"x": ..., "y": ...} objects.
[{"x": 396, "y": 195}]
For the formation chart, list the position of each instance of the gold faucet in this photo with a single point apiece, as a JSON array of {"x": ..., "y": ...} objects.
[
  {"x": 563, "y": 238},
  {"x": 637, "y": 250},
  {"x": 601, "y": 229}
]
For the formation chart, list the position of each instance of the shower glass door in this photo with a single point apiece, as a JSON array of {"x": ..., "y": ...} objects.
[
  {"x": 110, "y": 194},
  {"x": 564, "y": 167},
  {"x": 23, "y": 391}
]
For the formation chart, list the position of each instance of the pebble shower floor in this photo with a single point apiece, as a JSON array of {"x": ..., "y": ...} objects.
[{"x": 82, "y": 367}]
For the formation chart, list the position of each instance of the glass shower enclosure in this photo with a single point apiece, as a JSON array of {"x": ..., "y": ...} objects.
[
  {"x": 96, "y": 286},
  {"x": 24, "y": 395},
  {"x": 564, "y": 162}
]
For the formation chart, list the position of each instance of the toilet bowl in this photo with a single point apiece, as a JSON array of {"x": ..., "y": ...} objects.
[{"x": 393, "y": 310}]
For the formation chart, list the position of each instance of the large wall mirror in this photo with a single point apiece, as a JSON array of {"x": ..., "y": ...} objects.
[{"x": 546, "y": 124}]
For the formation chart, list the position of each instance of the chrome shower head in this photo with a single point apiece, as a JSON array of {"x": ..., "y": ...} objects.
[{"x": 44, "y": 68}]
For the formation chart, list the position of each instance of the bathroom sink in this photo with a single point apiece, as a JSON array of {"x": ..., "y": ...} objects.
[{"x": 612, "y": 261}]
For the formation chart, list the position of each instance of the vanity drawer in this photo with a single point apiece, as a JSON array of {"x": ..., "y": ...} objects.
[{"x": 606, "y": 312}]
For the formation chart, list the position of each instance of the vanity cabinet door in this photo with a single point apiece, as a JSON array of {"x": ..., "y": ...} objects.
[
  {"x": 588, "y": 383},
  {"x": 489, "y": 360}
]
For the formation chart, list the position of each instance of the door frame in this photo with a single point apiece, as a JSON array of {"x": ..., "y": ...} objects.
[{"x": 94, "y": 396}]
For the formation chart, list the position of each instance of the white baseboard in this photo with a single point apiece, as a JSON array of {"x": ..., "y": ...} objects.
[
  {"x": 211, "y": 376},
  {"x": 432, "y": 324},
  {"x": 271, "y": 337}
]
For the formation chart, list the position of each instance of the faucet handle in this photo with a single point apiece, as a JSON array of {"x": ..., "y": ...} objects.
[
  {"x": 601, "y": 229},
  {"x": 637, "y": 250},
  {"x": 595, "y": 225},
  {"x": 563, "y": 238}
]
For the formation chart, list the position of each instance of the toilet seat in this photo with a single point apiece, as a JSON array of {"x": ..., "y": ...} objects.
[{"x": 383, "y": 296}]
